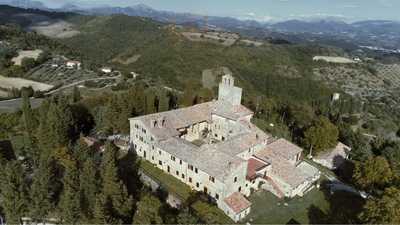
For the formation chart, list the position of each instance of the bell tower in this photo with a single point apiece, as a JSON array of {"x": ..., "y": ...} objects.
[{"x": 228, "y": 91}]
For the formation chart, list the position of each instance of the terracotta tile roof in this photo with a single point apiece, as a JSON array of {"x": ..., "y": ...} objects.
[
  {"x": 282, "y": 168},
  {"x": 207, "y": 158},
  {"x": 253, "y": 166},
  {"x": 237, "y": 202},
  {"x": 284, "y": 148}
]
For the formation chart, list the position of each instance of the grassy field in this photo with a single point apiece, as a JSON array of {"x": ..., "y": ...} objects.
[
  {"x": 11, "y": 82},
  {"x": 268, "y": 209},
  {"x": 34, "y": 54}
]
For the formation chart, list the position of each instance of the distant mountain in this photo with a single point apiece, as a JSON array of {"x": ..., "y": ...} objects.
[
  {"x": 26, "y": 4},
  {"x": 331, "y": 31},
  {"x": 143, "y": 10},
  {"x": 325, "y": 26}
]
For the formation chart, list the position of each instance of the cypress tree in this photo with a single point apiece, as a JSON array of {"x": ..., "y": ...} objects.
[
  {"x": 29, "y": 123},
  {"x": 114, "y": 203},
  {"x": 89, "y": 186},
  {"x": 41, "y": 199},
  {"x": 76, "y": 95},
  {"x": 13, "y": 193},
  {"x": 70, "y": 199}
]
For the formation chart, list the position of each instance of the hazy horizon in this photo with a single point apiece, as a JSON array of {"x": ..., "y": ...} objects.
[{"x": 263, "y": 10}]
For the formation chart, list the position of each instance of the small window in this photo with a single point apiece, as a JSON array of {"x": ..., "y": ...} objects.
[
  {"x": 172, "y": 158},
  {"x": 177, "y": 173},
  {"x": 159, "y": 152},
  {"x": 205, "y": 189},
  {"x": 183, "y": 176},
  {"x": 212, "y": 179},
  {"x": 190, "y": 180},
  {"x": 190, "y": 167},
  {"x": 168, "y": 169},
  {"x": 239, "y": 189},
  {"x": 235, "y": 179},
  {"x": 216, "y": 196},
  {"x": 195, "y": 170},
  {"x": 197, "y": 184},
  {"x": 180, "y": 162},
  {"x": 159, "y": 162},
  {"x": 152, "y": 147},
  {"x": 152, "y": 158}
]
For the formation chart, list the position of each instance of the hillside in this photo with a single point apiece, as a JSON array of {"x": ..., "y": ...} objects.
[{"x": 166, "y": 54}]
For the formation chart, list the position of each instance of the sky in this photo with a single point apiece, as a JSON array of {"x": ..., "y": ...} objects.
[{"x": 264, "y": 10}]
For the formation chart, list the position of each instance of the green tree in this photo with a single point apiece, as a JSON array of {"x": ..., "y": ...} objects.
[
  {"x": 13, "y": 193},
  {"x": 373, "y": 175},
  {"x": 185, "y": 217},
  {"x": 114, "y": 205},
  {"x": 30, "y": 124},
  {"x": 148, "y": 210},
  {"x": 70, "y": 208},
  {"x": 384, "y": 209},
  {"x": 28, "y": 63},
  {"x": 76, "y": 95},
  {"x": 89, "y": 186},
  {"x": 40, "y": 193},
  {"x": 321, "y": 136}
]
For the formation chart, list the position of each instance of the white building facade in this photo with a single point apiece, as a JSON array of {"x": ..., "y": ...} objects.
[{"x": 213, "y": 147}]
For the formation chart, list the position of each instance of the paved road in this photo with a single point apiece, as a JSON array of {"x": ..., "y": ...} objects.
[
  {"x": 14, "y": 105},
  {"x": 81, "y": 82}
]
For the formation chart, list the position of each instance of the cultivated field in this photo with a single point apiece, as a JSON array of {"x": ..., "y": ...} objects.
[
  {"x": 126, "y": 61},
  {"x": 331, "y": 59},
  {"x": 55, "y": 29},
  {"x": 226, "y": 39},
  {"x": 11, "y": 82},
  {"x": 34, "y": 54},
  {"x": 253, "y": 43},
  {"x": 59, "y": 75}
]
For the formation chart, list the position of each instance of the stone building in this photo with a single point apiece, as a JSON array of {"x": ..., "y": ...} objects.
[{"x": 214, "y": 147}]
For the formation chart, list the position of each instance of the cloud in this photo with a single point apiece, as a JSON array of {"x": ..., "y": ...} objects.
[
  {"x": 254, "y": 16},
  {"x": 350, "y": 6}
]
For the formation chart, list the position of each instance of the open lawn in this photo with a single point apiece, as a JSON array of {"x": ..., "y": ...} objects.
[
  {"x": 319, "y": 206},
  {"x": 268, "y": 209}
]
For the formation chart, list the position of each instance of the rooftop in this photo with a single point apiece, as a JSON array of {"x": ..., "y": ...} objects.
[
  {"x": 284, "y": 148},
  {"x": 253, "y": 166},
  {"x": 237, "y": 202}
]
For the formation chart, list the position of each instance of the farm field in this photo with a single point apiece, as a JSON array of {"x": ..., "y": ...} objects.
[
  {"x": 26, "y": 54},
  {"x": 3, "y": 94},
  {"x": 59, "y": 75},
  {"x": 11, "y": 82},
  {"x": 55, "y": 29},
  {"x": 331, "y": 59}
]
